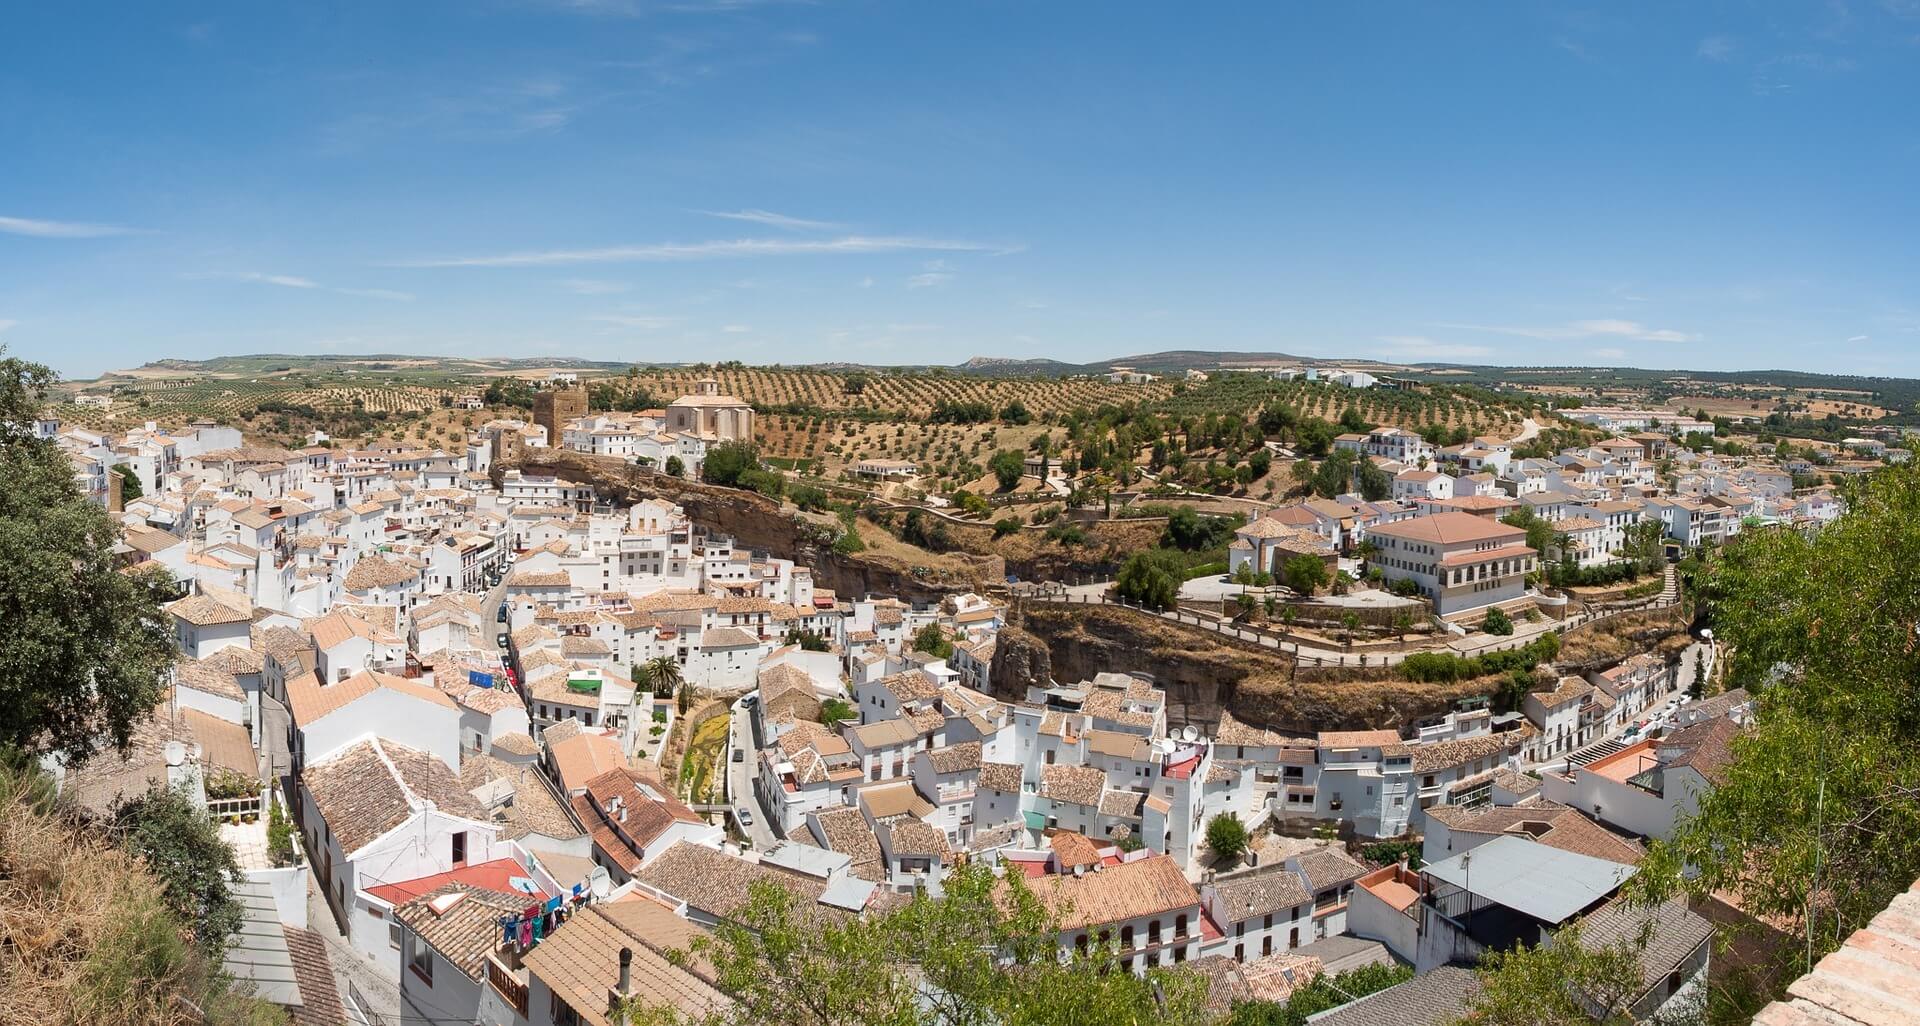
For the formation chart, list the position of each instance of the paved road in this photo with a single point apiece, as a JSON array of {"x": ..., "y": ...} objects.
[
  {"x": 380, "y": 989},
  {"x": 1529, "y": 429},
  {"x": 740, "y": 790}
]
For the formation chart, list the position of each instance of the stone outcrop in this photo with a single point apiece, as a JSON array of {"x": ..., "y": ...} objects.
[
  {"x": 1203, "y": 675},
  {"x": 1019, "y": 660}
]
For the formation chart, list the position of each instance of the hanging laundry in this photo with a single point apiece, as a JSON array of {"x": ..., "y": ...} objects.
[
  {"x": 526, "y": 933},
  {"x": 553, "y": 905}
]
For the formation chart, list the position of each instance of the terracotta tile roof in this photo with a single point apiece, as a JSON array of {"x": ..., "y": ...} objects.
[
  {"x": 1515, "y": 782},
  {"x": 467, "y": 931},
  {"x": 1131, "y": 890},
  {"x": 1358, "y": 738},
  {"x": 1001, "y": 776},
  {"x": 1073, "y": 850},
  {"x": 206, "y": 677},
  {"x": 727, "y": 637},
  {"x": 1122, "y": 803},
  {"x": 309, "y": 700},
  {"x": 1439, "y": 996},
  {"x": 1551, "y": 824},
  {"x": 1664, "y": 936},
  {"x": 1872, "y": 980},
  {"x": 320, "y": 1003},
  {"x": 224, "y": 744},
  {"x": 846, "y": 831},
  {"x": 206, "y": 611},
  {"x": 1076, "y": 785},
  {"x": 1330, "y": 866},
  {"x": 717, "y": 883},
  {"x": 580, "y": 757},
  {"x": 626, "y": 812},
  {"x": 580, "y": 962},
  {"x": 911, "y": 837},
  {"x": 1246, "y": 895},
  {"x": 1567, "y": 690},
  {"x": 534, "y": 808},
  {"x": 1439, "y": 755},
  {"x": 378, "y": 572},
  {"x": 895, "y": 799},
  {"x": 368, "y": 789},
  {"x": 340, "y": 627},
  {"x": 1704, "y": 747},
  {"x": 1234, "y": 732},
  {"x": 955, "y": 758}
]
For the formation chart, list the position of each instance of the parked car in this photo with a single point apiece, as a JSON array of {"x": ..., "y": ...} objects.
[
  {"x": 745, "y": 817},
  {"x": 502, "y": 618},
  {"x": 501, "y": 641}
]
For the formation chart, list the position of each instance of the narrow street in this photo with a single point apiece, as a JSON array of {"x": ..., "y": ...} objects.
[{"x": 740, "y": 789}]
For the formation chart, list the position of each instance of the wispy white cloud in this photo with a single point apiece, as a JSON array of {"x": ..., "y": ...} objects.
[
  {"x": 1609, "y": 353},
  {"x": 714, "y": 250},
  {"x": 60, "y": 229},
  {"x": 1420, "y": 347},
  {"x": 1859, "y": 338},
  {"x": 593, "y": 286},
  {"x": 638, "y": 322},
  {"x": 773, "y": 220},
  {"x": 929, "y": 279},
  {"x": 1598, "y": 328},
  {"x": 735, "y": 329},
  {"x": 294, "y": 281},
  {"x": 1716, "y": 48},
  {"x": 866, "y": 282},
  {"x": 5, "y": 324}
]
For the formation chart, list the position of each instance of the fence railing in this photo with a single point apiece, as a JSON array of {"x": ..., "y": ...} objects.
[
  {"x": 234, "y": 809},
  {"x": 360, "y": 1010}
]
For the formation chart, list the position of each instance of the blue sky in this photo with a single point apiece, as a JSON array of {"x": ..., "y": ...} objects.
[{"x": 1709, "y": 185}]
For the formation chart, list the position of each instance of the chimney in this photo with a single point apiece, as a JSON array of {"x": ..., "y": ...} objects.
[{"x": 624, "y": 989}]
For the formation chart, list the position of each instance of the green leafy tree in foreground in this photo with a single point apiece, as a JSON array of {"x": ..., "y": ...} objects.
[
  {"x": 1557, "y": 983},
  {"x": 1497, "y": 622},
  {"x": 984, "y": 954},
  {"x": 169, "y": 830},
  {"x": 85, "y": 650},
  {"x": 1816, "y": 819},
  {"x": 1323, "y": 993}
]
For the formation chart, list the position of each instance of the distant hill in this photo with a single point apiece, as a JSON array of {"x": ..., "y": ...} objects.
[{"x": 1172, "y": 361}]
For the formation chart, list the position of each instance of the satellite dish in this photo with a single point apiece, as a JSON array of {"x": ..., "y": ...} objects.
[
  {"x": 599, "y": 882},
  {"x": 176, "y": 753},
  {"x": 1189, "y": 733}
]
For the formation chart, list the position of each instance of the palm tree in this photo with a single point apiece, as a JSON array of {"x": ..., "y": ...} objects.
[{"x": 660, "y": 676}]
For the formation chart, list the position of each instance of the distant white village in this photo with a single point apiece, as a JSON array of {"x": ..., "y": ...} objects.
[{"x": 467, "y": 691}]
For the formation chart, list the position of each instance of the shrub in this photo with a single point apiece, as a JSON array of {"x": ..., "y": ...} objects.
[
  {"x": 1227, "y": 837},
  {"x": 1006, "y": 526},
  {"x": 1497, "y": 622}
]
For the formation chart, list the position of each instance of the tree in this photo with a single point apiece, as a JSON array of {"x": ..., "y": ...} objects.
[
  {"x": 1191, "y": 532},
  {"x": 169, "y": 830},
  {"x": 1226, "y": 837},
  {"x": 1815, "y": 821},
  {"x": 1015, "y": 413},
  {"x": 1697, "y": 687},
  {"x": 1560, "y": 981},
  {"x": 675, "y": 468},
  {"x": 1335, "y": 474},
  {"x": 1146, "y": 581},
  {"x": 1497, "y": 622},
  {"x": 660, "y": 675},
  {"x": 833, "y": 710},
  {"x": 129, "y": 483},
  {"x": 985, "y": 952},
  {"x": 86, "y": 649},
  {"x": 727, "y": 462},
  {"x": 932, "y": 640},
  {"x": 1304, "y": 573},
  {"x": 1322, "y": 993},
  {"x": 854, "y": 383},
  {"x": 1374, "y": 483},
  {"x": 1007, "y": 466}
]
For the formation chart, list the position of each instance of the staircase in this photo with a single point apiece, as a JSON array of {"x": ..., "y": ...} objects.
[{"x": 1597, "y": 751}]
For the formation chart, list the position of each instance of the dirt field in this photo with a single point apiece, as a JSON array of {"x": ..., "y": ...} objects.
[{"x": 1760, "y": 404}]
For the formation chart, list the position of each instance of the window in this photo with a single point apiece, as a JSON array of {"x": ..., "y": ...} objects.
[
  {"x": 1153, "y": 931},
  {"x": 422, "y": 961},
  {"x": 561, "y": 1012},
  {"x": 460, "y": 848},
  {"x": 393, "y": 936}
]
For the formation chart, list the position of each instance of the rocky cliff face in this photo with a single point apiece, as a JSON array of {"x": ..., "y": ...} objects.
[
  {"x": 759, "y": 523},
  {"x": 1019, "y": 660},
  {"x": 1203, "y": 675}
]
